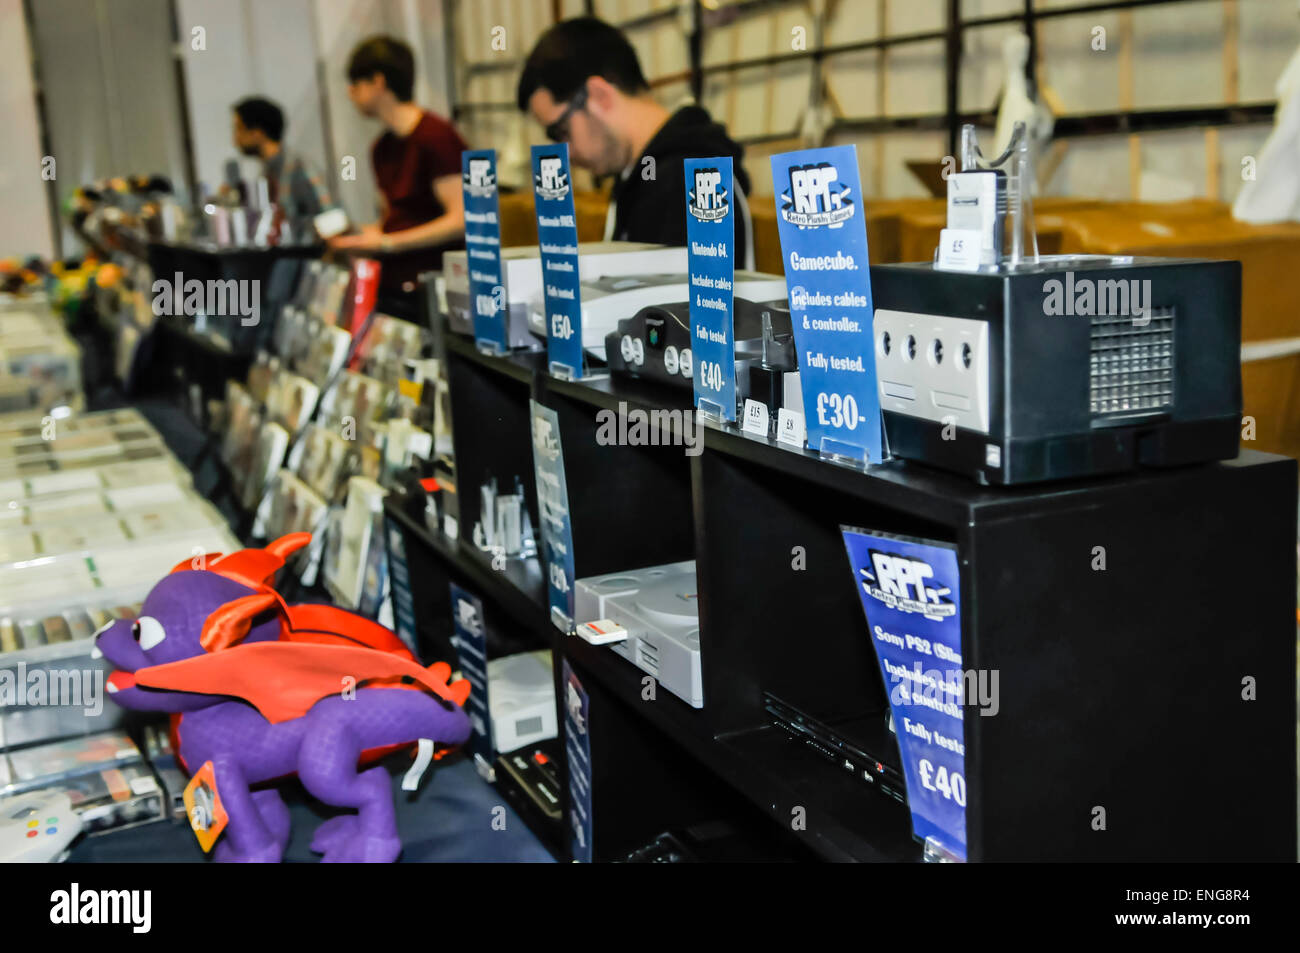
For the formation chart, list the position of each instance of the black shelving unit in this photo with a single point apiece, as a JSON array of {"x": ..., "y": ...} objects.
[{"x": 1119, "y": 689}]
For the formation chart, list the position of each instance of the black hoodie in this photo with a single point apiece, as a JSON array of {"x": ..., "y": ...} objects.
[{"x": 651, "y": 201}]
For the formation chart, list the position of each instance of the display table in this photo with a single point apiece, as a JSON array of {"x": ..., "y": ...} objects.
[{"x": 449, "y": 820}]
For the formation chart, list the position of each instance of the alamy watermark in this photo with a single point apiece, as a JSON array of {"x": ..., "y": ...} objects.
[
  {"x": 215, "y": 297},
  {"x": 634, "y": 427},
  {"x": 944, "y": 690},
  {"x": 53, "y": 688},
  {"x": 1089, "y": 297}
]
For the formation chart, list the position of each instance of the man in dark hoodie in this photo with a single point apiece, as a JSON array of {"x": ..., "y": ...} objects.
[{"x": 584, "y": 84}]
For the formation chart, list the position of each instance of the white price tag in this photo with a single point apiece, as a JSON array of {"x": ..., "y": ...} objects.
[
  {"x": 756, "y": 419},
  {"x": 959, "y": 249},
  {"x": 790, "y": 427}
]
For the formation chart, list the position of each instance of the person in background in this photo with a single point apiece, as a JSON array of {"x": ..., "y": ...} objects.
[
  {"x": 258, "y": 131},
  {"x": 417, "y": 168},
  {"x": 583, "y": 83}
]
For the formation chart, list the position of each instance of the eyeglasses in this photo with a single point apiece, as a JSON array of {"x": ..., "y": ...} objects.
[{"x": 558, "y": 131}]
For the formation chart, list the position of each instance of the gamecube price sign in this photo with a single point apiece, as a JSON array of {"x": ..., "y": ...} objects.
[
  {"x": 478, "y": 171},
  {"x": 710, "y": 242},
  {"x": 910, "y": 593},
  {"x": 557, "y": 237},
  {"x": 827, "y": 274}
]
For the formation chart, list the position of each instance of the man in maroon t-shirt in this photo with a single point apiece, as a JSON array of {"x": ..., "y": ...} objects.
[{"x": 417, "y": 168}]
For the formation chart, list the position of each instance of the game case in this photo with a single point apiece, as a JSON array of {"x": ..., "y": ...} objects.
[{"x": 270, "y": 447}]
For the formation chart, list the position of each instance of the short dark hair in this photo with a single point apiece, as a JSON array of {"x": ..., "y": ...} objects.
[
  {"x": 258, "y": 113},
  {"x": 389, "y": 57},
  {"x": 574, "y": 50}
]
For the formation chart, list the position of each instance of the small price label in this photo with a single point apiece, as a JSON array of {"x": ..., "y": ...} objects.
[
  {"x": 790, "y": 427},
  {"x": 959, "y": 249},
  {"x": 756, "y": 418}
]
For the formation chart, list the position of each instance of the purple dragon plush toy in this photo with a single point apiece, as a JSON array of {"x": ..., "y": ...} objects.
[{"x": 260, "y": 691}]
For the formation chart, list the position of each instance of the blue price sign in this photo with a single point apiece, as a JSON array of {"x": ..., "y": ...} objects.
[
  {"x": 478, "y": 171},
  {"x": 828, "y": 277},
  {"x": 577, "y": 747},
  {"x": 710, "y": 244},
  {"x": 557, "y": 237},
  {"x": 911, "y": 594},
  {"x": 553, "y": 505},
  {"x": 471, "y": 655}
]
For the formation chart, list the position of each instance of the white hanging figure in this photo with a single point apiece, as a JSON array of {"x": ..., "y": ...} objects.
[
  {"x": 1274, "y": 194},
  {"x": 1016, "y": 104}
]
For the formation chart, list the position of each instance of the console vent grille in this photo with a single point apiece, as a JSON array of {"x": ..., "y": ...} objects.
[{"x": 1132, "y": 364}]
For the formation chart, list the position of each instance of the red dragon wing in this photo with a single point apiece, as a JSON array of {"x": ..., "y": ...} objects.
[
  {"x": 328, "y": 625},
  {"x": 282, "y": 680}
]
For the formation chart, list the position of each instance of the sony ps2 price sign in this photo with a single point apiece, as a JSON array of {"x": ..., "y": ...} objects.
[
  {"x": 557, "y": 238},
  {"x": 478, "y": 172},
  {"x": 710, "y": 242},
  {"x": 911, "y": 594},
  {"x": 827, "y": 274}
]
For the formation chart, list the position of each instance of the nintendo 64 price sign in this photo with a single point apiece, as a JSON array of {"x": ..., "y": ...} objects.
[
  {"x": 478, "y": 171},
  {"x": 710, "y": 244},
  {"x": 910, "y": 592},
  {"x": 827, "y": 273}
]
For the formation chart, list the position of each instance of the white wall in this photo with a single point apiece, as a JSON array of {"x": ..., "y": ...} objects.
[
  {"x": 1174, "y": 55},
  {"x": 108, "y": 81},
  {"x": 25, "y": 224},
  {"x": 249, "y": 48}
]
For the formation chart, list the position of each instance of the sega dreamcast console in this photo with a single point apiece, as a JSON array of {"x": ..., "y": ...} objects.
[
  {"x": 613, "y": 298},
  {"x": 521, "y": 275},
  {"x": 37, "y": 828},
  {"x": 659, "y": 608},
  {"x": 521, "y": 699}
]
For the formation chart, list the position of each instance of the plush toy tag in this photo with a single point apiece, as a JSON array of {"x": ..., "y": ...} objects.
[{"x": 204, "y": 808}]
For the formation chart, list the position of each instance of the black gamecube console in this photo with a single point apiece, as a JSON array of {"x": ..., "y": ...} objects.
[
  {"x": 655, "y": 344},
  {"x": 1074, "y": 367}
]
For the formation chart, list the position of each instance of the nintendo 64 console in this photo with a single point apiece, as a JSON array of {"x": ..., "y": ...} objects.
[
  {"x": 659, "y": 609},
  {"x": 1069, "y": 367},
  {"x": 655, "y": 343}
]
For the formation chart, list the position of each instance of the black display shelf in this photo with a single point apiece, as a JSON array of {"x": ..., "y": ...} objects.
[
  {"x": 519, "y": 589},
  {"x": 629, "y": 505},
  {"x": 764, "y": 767},
  {"x": 491, "y": 425},
  {"x": 1119, "y": 688}
]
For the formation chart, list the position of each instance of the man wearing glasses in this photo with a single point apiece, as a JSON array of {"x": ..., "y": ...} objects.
[{"x": 583, "y": 83}]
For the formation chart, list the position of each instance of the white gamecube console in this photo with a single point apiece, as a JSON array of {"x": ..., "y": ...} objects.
[
  {"x": 521, "y": 274},
  {"x": 521, "y": 699},
  {"x": 609, "y": 299},
  {"x": 659, "y": 608}
]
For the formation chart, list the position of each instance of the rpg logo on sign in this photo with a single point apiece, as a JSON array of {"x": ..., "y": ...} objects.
[
  {"x": 467, "y": 616},
  {"x": 708, "y": 199},
  {"x": 551, "y": 182},
  {"x": 479, "y": 179},
  {"x": 903, "y": 583},
  {"x": 815, "y": 197},
  {"x": 544, "y": 439}
]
